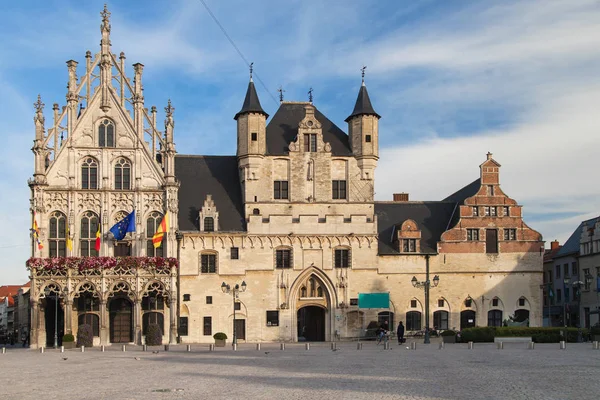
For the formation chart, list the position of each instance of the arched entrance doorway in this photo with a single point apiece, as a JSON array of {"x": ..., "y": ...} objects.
[
  {"x": 467, "y": 319},
  {"x": 54, "y": 319},
  {"x": 121, "y": 320},
  {"x": 311, "y": 324}
]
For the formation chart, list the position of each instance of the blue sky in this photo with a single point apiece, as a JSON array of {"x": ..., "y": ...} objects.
[{"x": 452, "y": 81}]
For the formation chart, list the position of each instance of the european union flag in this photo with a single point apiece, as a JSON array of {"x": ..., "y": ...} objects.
[{"x": 125, "y": 225}]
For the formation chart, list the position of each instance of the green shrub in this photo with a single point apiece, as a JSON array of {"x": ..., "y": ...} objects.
[
  {"x": 68, "y": 338},
  {"x": 479, "y": 335},
  {"x": 220, "y": 336},
  {"x": 448, "y": 332},
  {"x": 538, "y": 335},
  {"x": 85, "y": 336},
  {"x": 153, "y": 335},
  {"x": 595, "y": 330}
]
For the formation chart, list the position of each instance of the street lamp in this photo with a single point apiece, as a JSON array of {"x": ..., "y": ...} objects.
[
  {"x": 566, "y": 281},
  {"x": 226, "y": 288},
  {"x": 425, "y": 285},
  {"x": 47, "y": 292},
  {"x": 179, "y": 238},
  {"x": 546, "y": 289}
]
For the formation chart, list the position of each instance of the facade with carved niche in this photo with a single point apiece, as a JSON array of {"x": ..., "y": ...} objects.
[{"x": 293, "y": 215}]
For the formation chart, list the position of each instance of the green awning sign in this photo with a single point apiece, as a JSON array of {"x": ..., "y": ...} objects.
[{"x": 373, "y": 300}]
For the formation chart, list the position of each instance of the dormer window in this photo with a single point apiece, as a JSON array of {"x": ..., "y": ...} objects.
[
  {"x": 209, "y": 216},
  {"x": 106, "y": 133},
  {"x": 209, "y": 224},
  {"x": 310, "y": 142}
]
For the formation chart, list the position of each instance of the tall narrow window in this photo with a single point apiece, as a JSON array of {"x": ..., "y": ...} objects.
[
  {"x": 208, "y": 263},
  {"x": 106, "y": 133},
  {"x": 310, "y": 142},
  {"x": 280, "y": 190},
  {"x": 87, "y": 235},
  {"x": 122, "y": 175},
  {"x": 283, "y": 258},
  {"x": 89, "y": 174},
  {"x": 506, "y": 211},
  {"x": 409, "y": 245},
  {"x": 338, "y": 189},
  {"x": 491, "y": 190},
  {"x": 342, "y": 258},
  {"x": 57, "y": 235},
  {"x": 152, "y": 224},
  {"x": 476, "y": 211},
  {"x": 209, "y": 224},
  {"x": 493, "y": 211},
  {"x": 207, "y": 326}
]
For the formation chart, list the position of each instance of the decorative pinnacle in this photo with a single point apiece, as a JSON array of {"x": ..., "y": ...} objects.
[
  {"x": 39, "y": 106},
  {"x": 169, "y": 109},
  {"x": 310, "y": 95},
  {"x": 251, "y": 70},
  {"x": 281, "y": 91},
  {"x": 105, "y": 14},
  {"x": 362, "y": 70}
]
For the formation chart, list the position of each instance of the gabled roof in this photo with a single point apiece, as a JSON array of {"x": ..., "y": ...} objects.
[
  {"x": 251, "y": 102},
  {"x": 459, "y": 198},
  {"x": 571, "y": 246},
  {"x": 214, "y": 175},
  {"x": 283, "y": 129},
  {"x": 431, "y": 217},
  {"x": 9, "y": 291},
  {"x": 363, "y": 104}
]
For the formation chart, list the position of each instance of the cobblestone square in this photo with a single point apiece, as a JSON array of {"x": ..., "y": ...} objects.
[{"x": 428, "y": 372}]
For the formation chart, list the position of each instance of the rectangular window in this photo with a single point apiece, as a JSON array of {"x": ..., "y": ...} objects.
[
  {"x": 473, "y": 234},
  {"x": 506, "y": 211},
  {"x": 338, "y": 189},
  {"x": 558, "y": 295},
  {"x": 557, "y": 269},
  {"x": 566, "y": 270},
  {"x": 494, "y": 302},
  {"x": 413, "y": 304},
  {"x": 368, "y": 138},
  {"x": 310, "y": 142},
  {"x": 183, "y": 326},
  {"x": 586, "y": 274},
  {"x": 493, "y": 211},
  {"x": 283, "y": 258},
  {"x": 476, "y": 211},
  {"x": 237, "y": 306},
  {"x": 510, "y": 234},
  {"x": 353, "y": 302},
  {"x": 209, "y": 263},
  {"x": 187, "y": 297},
  {"x": 574, "y": 269},
  {"x": 254, "y": 136},
  {"x": 273, "y": 318},
  {"x": 342, "y": 258},
  {"x": 441, "y": 303},
  {"x": 280, "y": 190},
  {"x": 235, "y": 253},
  {"x": 491, "y": 190},
  {"x": 468, "y": 302},
  {"x": 487, "y": 211},
  {"x": 207, "y": 326},
  {"x": 208, "y": 299},
  {"x": 521, "y": 302},
  {"x": 409, "y": 245}
]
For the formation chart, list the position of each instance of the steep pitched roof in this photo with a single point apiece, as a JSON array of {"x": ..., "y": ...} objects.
[
  {"x": 215, "y": 175},
  {"x": 251, "y": 102},
  {"x": 459, "y": 198},
  {"x": 571, "y": 246},
  {"x": 8, "y": 291},
  {"x": 283, "y": 129},
  {"x": 431, "y": 217},
  {"x": 363, "y": 104}
]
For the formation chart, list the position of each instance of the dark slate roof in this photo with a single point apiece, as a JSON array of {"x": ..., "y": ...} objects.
[
  {"x": 363, "y": 104},
  {"x": 251, "y": 102},
  {"x": 571, "y": 246},
  {"x": 283, "y": 128},
  {"x": 215, "y": 175},
  {"x": 459, "y": 198},
  {"x": 431, "y": 217}
]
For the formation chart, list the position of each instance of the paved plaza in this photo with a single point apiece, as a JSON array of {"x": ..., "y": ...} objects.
[{"x": 454, "y": 372}]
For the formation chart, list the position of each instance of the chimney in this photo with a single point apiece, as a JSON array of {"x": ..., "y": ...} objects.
[
  {"x": 554, "y": 245},
  {"x": 400, "y": 196}
]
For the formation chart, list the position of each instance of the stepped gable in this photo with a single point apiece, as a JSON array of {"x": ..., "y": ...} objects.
[{"x": 214, "y": 175}]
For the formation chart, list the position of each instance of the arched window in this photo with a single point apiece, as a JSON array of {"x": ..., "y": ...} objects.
[
  {"x": 122, "y": 174},
  {"x": 87, "y": 234},
  {"x": 312, "y": 285},
  {"x": 319, "y": 291},
  {"x": 89, "y": 174},
  {"x": 303, "y": 291},
  {"x": 495, "y": 318},
  {"x": 152, "y": 223},
  {"x": 106, "y": 133},
  {"x": 153, "y": 318},
  {"x": 92, "y": 320},
  {"x": 57, "y": 242},
  {"x": 386, "y": 318},
  {"x": 209, "y": 224},
  {"x": 440, "y": 320},
  {"x": 413, "y": 321}
]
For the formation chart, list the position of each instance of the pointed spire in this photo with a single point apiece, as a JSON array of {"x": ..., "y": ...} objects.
[
  {"x": 251, "y": 102},
  {"x": 39, "y": 110},
  {"x": 105, "y": 30},
  {"x": 363, "y": 102}
]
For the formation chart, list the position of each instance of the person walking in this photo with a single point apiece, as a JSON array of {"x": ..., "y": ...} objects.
[{"x": 400, "y": 333}]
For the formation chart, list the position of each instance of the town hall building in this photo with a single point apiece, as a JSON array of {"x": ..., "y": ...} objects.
[{"x": 286, "y": 234}]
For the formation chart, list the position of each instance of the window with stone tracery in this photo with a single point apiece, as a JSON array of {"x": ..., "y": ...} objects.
[
  {"x": 87, "y": 234},
  {"x": 57, "y": 242},
  {"x": 152, "y": 224},
  {"x": 123, "y": 174},
  {"x": 106, "y": 133},
  {"x": 89, "y": 174}
]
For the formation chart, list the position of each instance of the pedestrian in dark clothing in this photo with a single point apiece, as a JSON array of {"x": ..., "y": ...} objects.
[{"x": 400, "y": 333}]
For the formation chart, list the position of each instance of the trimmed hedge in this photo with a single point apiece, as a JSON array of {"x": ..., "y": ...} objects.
[
  {"x": 538, "y": 335},
  {"x": 448, "y": 332},
  {"x": 220, "y": 336},
  {"x": 85, "y": 336},
  {"x": 68, "y": 338}
]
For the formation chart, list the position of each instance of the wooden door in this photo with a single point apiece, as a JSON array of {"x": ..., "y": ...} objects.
[
  {"x": 491, "y": 241},
  {"x": 240, "y": 329},
  {"x": 120, "y": 321}
]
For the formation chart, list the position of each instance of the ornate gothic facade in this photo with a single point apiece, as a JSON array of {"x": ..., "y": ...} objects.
[{"x": 292, "y": 214}]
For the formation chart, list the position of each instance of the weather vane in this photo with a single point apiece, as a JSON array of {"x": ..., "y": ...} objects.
[
  {"x": 251, "y": 69},
  {"x": 310, "y": 95},
  {"x": 281, "y": 91},
  {"x": 362, "y": 70}
]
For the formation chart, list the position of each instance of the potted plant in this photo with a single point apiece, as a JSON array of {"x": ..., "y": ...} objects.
[
  {"x": 68, "y": 341},
  {"x": 448, "y": 336},
  {"x": 220, "y": 339},
  {"x": 154, "y": 335}
]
